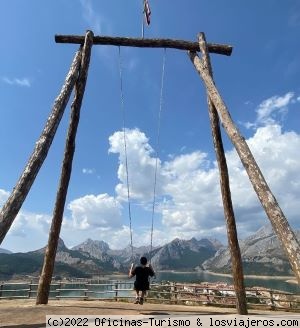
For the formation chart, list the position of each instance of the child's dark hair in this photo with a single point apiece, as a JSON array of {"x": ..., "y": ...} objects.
[{"x": 143, "y": 260}]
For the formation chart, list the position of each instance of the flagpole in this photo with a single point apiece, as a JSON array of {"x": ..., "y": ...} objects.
[{"x": 143, "y": 23}]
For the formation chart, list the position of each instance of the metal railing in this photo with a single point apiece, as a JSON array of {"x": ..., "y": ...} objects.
[{"x": 168, "y": 292}]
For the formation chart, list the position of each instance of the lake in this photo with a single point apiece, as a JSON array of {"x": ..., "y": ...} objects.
[
  {"x": 72, "y": 288},
  {"x": 279, "y": 284}
]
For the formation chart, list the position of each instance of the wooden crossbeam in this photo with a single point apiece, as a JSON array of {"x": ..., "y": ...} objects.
[{"x": 221, "y": 49}]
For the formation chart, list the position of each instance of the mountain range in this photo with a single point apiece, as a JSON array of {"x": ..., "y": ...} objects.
[
  {"x": 5, "y": 251},
  {"x": 261, "y": 254}
]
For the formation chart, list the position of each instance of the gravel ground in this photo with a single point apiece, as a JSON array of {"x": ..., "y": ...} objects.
[{"x": 25, "y": 314}]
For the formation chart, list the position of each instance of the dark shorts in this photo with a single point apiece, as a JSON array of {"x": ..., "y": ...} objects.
[{"x": 141, "y": 285}]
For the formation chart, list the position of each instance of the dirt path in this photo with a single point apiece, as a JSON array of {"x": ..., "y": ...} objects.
[{"x": 25, "y": 314}]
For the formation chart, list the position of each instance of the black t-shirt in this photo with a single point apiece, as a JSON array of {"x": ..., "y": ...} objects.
[{"x": 142, "y": 277}]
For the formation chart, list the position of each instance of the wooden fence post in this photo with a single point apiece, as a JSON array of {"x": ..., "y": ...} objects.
[
  {"x": 58, "y": 291},
  {"x": 86, "y": 292},
  {"x": 272, "y": 300},
  {"x": 50, "y": 253},
  {"x": 116, "y": 291},
  {"x": 29, "y": 292},
  {"x": 173, "y": 291},
  {"x": 279, "y": 222}
]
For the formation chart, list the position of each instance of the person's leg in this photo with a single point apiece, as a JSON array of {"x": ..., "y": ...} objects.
[
  {"x": 143, "y": 294},
  {"x": 137, "y": 292}
]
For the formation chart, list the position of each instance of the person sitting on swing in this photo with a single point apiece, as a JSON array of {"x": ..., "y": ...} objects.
[{"x": 142, "y": 274}]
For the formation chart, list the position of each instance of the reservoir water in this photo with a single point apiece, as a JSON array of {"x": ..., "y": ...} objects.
[
  {"x": 199, "y": 277},
  {"x": 76, "y": 288}
]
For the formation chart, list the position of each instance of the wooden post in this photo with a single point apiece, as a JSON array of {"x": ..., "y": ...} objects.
[
  {"x": 116, "y": 291},
  {"x": 86, "y": 291},
  {"x": 267, "y": 199},
  {"x": 49, "y": 259},
  {"x": 173, "y": 293},
  {"x": 222, "y": 49},
  {"x": 30, "y": 290},
  {"x": 12, "y": 206},
  {"x": 272, "y": 305},
  {"x": 236, "y": 259},
  {"x": 58, "y": 291}
]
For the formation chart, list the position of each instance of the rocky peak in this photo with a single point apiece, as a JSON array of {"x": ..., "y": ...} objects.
[
  {"x": 95, "y": 248},
  {"x": 261, "y": 254},
  {"x": 183, "y": 254},
  {"x": 61, "y": 245},
  {"x": 102, "y": 245}
]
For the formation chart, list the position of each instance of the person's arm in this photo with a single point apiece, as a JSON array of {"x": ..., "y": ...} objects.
[
  {"x": 152, "y": 273},
  {"x": 131, "y": 271}
]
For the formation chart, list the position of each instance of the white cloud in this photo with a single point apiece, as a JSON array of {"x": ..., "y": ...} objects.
[
  {"x": 183, "y": 164},
  {"x": 188, "y": 193},
  {"x": 29, "y": 231},
  {"x": 118, "y": 238},
  {"x": 97, "y": 217},
  {"x": 272, "y": 110},
  {"x": 190, "y": 182},
  {"x": 26, "y": 222},
  {"x": 268, "y": 110},
  {"x": 22, "y": 82},
  {"x": 88, "y": 171},
  {"x": 141, "y": 165},
  {"x": 3, "y": 196},
  {"x": 276, "y": 154},
  {"x": 26, "y": 226},
  {"x": 248, "y": 125},
  {"x": 193, "y": 190},
  {"x": 95, "y": 212}
]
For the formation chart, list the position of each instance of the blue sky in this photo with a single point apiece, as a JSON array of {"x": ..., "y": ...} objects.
[{"x": 259, "y": 83}]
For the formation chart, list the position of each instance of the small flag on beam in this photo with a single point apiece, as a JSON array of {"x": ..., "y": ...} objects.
[{"x": 147, "y": 11}]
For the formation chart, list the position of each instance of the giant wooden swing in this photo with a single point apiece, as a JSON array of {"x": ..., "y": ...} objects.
[{"x": 76, "y": 78}]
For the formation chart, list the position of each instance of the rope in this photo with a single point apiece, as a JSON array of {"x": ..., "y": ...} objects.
[
  {"x": 125, "y": 150},
  {"x": 157, "y": 148}
]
